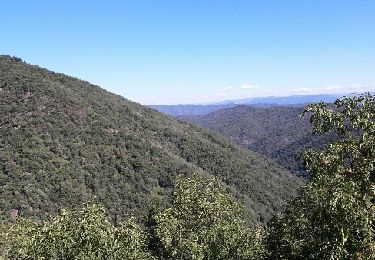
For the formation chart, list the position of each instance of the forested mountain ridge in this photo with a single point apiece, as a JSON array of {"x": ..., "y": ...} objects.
[
  {"x": 277, "y": 132},
  {"x": 64, "y": 141}
]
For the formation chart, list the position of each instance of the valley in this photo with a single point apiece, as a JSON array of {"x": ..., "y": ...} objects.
[{"x": 278, "y": 132}]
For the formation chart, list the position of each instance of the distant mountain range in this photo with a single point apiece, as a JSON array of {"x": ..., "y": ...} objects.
[
  {"x": 204, "y": 109},
  {"x": 180, "y": 110},
  {"x": 286, "y": 100}
]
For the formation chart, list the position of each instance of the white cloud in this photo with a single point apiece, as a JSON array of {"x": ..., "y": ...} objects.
[{"x": 248, "y": 86}]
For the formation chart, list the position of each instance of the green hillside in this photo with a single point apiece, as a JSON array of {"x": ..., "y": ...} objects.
[
  {"x": 64, "y": 141},
  {"x": 276, "y": 132}
]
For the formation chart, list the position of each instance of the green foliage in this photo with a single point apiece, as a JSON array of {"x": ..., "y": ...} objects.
[
  {"x": 204, "y": 223},
  {"x": 333, "y": 218},
  {"x": 83, "y": 235},
  {"x": 64, "y": 141}
]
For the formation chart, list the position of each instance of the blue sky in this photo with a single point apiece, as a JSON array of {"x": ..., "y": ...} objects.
[{"x": 169, "y": 51}]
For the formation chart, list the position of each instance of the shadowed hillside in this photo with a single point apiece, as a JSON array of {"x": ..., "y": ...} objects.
[{"x": 277, "y": 132}]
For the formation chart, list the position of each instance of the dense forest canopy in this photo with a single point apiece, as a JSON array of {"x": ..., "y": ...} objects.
[{"x": 64, "y": 141}]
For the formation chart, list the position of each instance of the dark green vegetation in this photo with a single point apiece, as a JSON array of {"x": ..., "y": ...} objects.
[
  {"x": 276, "y": 132},
  {"x": 64, "y": 141},
  {"x": 203, "y": 222}
]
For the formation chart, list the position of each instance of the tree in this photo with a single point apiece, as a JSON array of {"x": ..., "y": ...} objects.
[
  {"x": 75, "y": 235},
  {"x": 204, "y": 222},
  {"x": 333, "y": 217}
]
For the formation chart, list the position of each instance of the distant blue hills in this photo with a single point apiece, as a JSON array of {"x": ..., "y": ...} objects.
[
  {"x": 193, "y": 110},
  {"x": 204, "y": 109}
]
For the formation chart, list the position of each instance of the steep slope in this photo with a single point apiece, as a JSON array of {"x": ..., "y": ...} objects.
[
  {"x": 64, "y": 141},
  {"x": 276, "y": 132}
]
